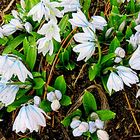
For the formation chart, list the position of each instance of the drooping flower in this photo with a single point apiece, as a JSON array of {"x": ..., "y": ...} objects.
[
  {"x": 102, "y": 135},
  {"x": 29, "y": 117},
  {"x": 134, "y": 61},
  {"x": 12, "y": 66},
  {"x": 8, "y": 93},
  {"x": 87, "y": 45},
  {"x": 70, "y": 5}
]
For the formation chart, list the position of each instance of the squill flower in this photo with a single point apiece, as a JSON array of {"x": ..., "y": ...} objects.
[
  {"x": 37, "y": 100},
  {"x": 29, "y": 117},
  {"x": 102, "y": 135},
  {"x": 87, "y": 45},
  {"x": 70, "y": 5},
  {"x": 134, "y": 61},
  {"x": 8, "y": 93},
  {"x": 54, "y": 97},
  {"x": 28, "y": 27},
  {"x": 12, "y": 66},
  {"x": 120, "y": 52}
]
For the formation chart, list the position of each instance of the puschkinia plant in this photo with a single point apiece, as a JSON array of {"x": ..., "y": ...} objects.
[{"x": 63, "y": 34}]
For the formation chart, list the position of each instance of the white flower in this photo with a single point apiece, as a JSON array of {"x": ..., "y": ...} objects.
[
  {"x": 80, "y": 128},
  {"x": 11, "y": 66},
  {"x": 80, "y": 20},
  {"x": 55, "y": 105},
  {"x": 99, "y": 124},
  {"x": 114, "y": 82},
  {"x": 70, "y": 5},
  {"x": 75, "y": 123},
  {"x": 30, "y": 117},
  {"x": 128, "y": 75},
  {"x": 1, "y": 33},
  {"x": 118, "y": 60},
  {"x": 92, "y": 127},
  {"x": 102, "y": 135},
  {"x": 8, "y": 93},
  {"x": 86, "y": 48},
  {"x": 120, "y": 52},
  {"x": 134, "y": 61},
  {"x": 28, "y": 27},
  {"x": 51, "y": 31},
  {"x": 45, "y": 45},
  {"x": 56, "y": 95},
  {"x": 98, "y": 22},
  {"x": 15, "y": 14},
  {"x": 37, "y": 100},
  {"x": 22, "y": 3}
]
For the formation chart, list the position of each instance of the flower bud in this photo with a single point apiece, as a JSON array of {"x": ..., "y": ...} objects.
[
  {"x": 120, "y": 52},
  {"x": 102, "y": 135},
  {"x": 37, "y": 100},
  {"x": 28, "y": 27},
  {"x": 94, "y": 116},
  {"x": 15, "y": 14},
  {"x": 76, "y": 118},
  {"x": 109, "y": 32},
  {"x": 122, "y": 25},
  {"x": 55, "y": 105},
  {"x": 23, "y": 5},
  {"x": 118, "y": 60}
]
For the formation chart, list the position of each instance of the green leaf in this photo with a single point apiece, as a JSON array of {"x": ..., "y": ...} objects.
[
  {"x": 94, "y": 71},
  {"x": 66, "y": 100},
  {"x": 25, "y": 46},
  {"x": 128, "y": 32},
  {"x": 86, "y": 6},
  {"x": 70, "y": 66},
  {"x": 63, "y": 23},
  {"x": 13, "y": 44},
  {"x": 105, "y": 115},
  {"x": 114, "y": 44},
  {"x": 89, "y": 102},
  {"x": 46, "y": 106},
  {"x": 107, "y": 57},
  {"x": 18, "y": 103},
  {"x": 30, "y": 3},
  {"x": 60, "y": 84},
  {"x": 50, "y": 58},
  {"x": 114, "y": 2},
  {"x": 67, "y": 120},
  {"x": 38, "y": 83},
  {"x": 49, "y": 88},
  {"x": 64, "y": 57}
]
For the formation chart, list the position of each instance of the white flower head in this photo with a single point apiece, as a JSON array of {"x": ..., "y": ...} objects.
[
  {"x": 55, "y": 105},
  {"x": 114, "y": 82},
  {"x": 86, "y": 48},
  {"x": 134, "y": 61},
  {"x": 70, "y": 5},
  {"x": 120, "y": 52},
  {"x": 56, "y": 95},
  {"x": 51, "y": 31},
  {"x": 12, "y": 66},
  {"x": 45, "y": 46},
  {"x": 8, "y": 93},
  {"x": 29, "y": 117},
  {"x": 102, "y": 135},
  {"x": 98, "y": 22},
  {"x": 127, "y": 75},
  {"x": 37, "y": 100},
  {"x": 78, "y": 131},
  {"x": 28, "y": 27}
]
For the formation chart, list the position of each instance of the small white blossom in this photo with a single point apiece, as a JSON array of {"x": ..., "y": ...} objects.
[
  {"x": 134, "y": 61},
  {"x": 99, "y": 124},
  {"x": 15, "y": 14},
  {"x": 75, "y": 123},
  {"x": 70, "y": 5},
  {"x": 8, "y": 93},
  {"x": 28, "y": 27},
  {"x": 29, "y": 117},
  {"x": 56, "y": 95},
  {"x": 37, "y": 100},
  {"x": 86, "y": 48},
  {"x": 55, "y": 105},
  {"x": 102, "y": 135},
  {"x": 117, "y": 59},
  {"x": 98, "y": 22},
  {"x": 51, "y": 31},
  {"x": 120, "y": 52},
  {"x": 92, "y": 127}
]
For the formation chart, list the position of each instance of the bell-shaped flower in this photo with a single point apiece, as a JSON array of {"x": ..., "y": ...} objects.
[
  {"x": 51, "y": 31},
  {"x": 45, "y": 46},
  {"x": 70, "y": 5},
  {"x": 55, "y": 105},
  {"x": 127, "y": 75},
  {"x": 78, "y": 131},
  {"x": 98, "y": 22},
  {"x": 114, "y": 82},
  {"x": 54, "y": 95},
  {"x": 87, "y": 45},
  {"x": 102, "y": 135},
  {"x": 134, "y": 61},
  {"x": 13, "y": 67},
  {"x": 29, "y": 117},
  {"x": 28, "y": 27},
  {"x": 8, "y": 93},
  {"x": 120, "y": 52}
]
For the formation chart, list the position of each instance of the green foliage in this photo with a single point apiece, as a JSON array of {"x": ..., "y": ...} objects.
[
  {"x": 45, "y": 105},
  {"x": 66, "y": 100}
]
